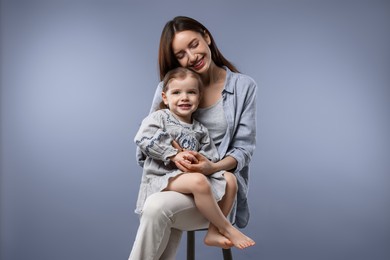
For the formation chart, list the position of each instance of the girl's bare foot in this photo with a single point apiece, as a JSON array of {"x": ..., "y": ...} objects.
[
  {"x": 238, "y": 239},
  {"x": 214, "y": 238}
]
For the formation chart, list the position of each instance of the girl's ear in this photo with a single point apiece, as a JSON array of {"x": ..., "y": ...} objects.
[{"x": 164, "y": 98}]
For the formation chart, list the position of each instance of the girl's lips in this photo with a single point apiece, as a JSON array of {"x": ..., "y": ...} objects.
[{"x": 185, "y": 106}]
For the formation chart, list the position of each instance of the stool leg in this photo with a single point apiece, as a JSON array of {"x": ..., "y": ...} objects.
[
  {"x": 227, "y": 254},
  {"x": 190, "y": 245}
]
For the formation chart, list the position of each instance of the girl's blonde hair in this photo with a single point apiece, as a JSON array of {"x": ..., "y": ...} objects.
[{"x": 180, "y": 73}]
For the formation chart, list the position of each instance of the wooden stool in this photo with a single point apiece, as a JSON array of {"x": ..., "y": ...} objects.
[{"x": 227, "y": 253}]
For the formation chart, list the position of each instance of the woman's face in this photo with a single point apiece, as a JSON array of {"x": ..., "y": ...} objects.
[{"x": 192, "y": 51}]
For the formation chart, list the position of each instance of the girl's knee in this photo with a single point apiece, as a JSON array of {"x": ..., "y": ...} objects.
[
  {"x": 201, "y": 183},
  {"x": 231, "y": 180}
]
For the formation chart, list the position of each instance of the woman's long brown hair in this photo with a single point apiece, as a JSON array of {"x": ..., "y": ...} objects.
[{"x": 167, "y": 60}]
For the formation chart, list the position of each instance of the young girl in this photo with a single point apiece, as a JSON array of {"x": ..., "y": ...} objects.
[{"x": 181, "y": 97}]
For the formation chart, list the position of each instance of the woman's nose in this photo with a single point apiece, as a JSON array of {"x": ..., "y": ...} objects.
[{"x": 191, "y": 57}]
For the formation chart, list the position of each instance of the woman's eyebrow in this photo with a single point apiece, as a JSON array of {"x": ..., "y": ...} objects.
[{"x": 177, "y": 52}]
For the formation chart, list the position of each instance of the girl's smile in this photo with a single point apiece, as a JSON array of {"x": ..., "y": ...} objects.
[{"x": 182, "y": 97}]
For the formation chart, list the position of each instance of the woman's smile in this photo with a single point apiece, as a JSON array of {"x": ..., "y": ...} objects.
[{"x": 199, "y": 64}]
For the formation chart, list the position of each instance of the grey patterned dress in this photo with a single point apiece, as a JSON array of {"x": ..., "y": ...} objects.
[{"x": 154, "y": 138}]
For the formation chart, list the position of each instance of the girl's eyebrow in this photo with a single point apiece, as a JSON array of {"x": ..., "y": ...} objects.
[
  {"x": 175, "y": 89},
  {"x": 181, "y": 89}
]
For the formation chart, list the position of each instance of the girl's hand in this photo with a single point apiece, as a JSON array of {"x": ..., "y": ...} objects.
[
  {"x": 203, "y": 165},
  {"x": 184, "y": 157},
  {"x": 181, "y": 156},
  {"x": 177, "y": 146}
]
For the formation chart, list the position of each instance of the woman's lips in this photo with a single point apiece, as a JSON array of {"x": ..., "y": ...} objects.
[{"x": 198, "y": 65}]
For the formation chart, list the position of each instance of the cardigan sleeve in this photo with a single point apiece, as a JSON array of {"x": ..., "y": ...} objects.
[
  {"x": 157, "y": 98},
  {"x": 243, "y": 142},
  {"x": 140, "y": 156},
  {"x": 153, "y": 140}
]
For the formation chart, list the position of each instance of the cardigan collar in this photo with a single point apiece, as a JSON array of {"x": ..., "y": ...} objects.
[{"x": 229, "y": 87}]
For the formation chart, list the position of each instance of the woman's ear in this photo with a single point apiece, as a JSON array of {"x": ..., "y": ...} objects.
[{"x": 207, "y": 38}]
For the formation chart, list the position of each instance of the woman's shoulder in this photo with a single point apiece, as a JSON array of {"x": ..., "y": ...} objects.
[{"x": 237, "y": 80}]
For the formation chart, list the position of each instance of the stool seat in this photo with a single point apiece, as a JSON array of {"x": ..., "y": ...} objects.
[{"x": 226, "y": 253}]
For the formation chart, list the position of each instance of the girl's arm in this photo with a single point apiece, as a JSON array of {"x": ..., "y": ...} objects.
[
  {"x": 243, "y": 142},
  {"x": 206, "y": 158},
  {"x": 153, "y": 140},
  {"x": 140, "y": 156},
  {"x": 206, "y": 166}
]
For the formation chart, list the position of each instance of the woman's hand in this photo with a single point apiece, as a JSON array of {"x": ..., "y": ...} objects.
[
  {"x": 194, "y": 162},
  {"x": 203, "y": 165}
]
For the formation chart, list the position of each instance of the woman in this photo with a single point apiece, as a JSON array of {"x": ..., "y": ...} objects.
[{"x": 228, "y": 110}]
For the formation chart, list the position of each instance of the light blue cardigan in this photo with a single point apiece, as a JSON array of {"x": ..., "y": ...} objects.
[{"x": 239, "y": 104}]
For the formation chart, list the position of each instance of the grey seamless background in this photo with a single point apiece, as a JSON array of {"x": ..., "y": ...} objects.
[{"x": 77, "y": 77}]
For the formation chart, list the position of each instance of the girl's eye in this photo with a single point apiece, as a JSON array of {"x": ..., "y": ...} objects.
[{"x": 175, "y": 92}]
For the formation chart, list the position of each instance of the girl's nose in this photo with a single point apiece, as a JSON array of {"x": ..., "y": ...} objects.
[{"x": 184, "y": 96}]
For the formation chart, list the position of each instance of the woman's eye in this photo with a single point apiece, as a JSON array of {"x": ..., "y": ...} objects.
[
  {"x": 179, "y": 56},
  {"x": 194, "y": 44}
]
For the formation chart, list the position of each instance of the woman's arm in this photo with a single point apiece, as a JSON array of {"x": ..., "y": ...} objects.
[
  {"x": 157, "y": 98},
  {"x": 206, "y": 159},
  {"x": 206, "y": 166},
  {"x": 243, "y": 137},
  {"x": 228, "y": 164}
]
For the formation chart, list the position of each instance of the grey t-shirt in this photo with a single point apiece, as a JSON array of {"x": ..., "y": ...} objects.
[{"x": 216, "y": 124}]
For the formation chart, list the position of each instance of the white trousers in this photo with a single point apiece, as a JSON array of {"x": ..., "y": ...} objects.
[{"x": 164, "y": 217}]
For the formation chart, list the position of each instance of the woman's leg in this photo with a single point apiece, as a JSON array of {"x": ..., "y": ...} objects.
[
  {"x": 198, "y": 185},
  {"x": 213, "y": 237},
  {"x": 164, "y": 215},
  {"x": 172, "y": 245}
]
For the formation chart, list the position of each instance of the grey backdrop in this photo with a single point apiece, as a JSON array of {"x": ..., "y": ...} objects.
[{"x": 77, "y": 77}]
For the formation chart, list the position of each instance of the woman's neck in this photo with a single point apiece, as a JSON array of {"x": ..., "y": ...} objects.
[
  {"x": 214, "y": 76},
  {"x": 213, "y": 88}
]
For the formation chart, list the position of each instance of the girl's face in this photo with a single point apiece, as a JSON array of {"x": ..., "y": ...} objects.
[
  {"x": 182, "y": 97},
  {"x": 192, "y": 51}
]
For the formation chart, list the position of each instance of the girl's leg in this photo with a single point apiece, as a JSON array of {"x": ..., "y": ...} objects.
[
  {"x": 213, "y": 237},
  {"x": 198, "y": 185}
]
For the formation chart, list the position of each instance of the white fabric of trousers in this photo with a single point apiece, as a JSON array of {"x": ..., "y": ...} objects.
[{"x": 164, "y": 217}]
